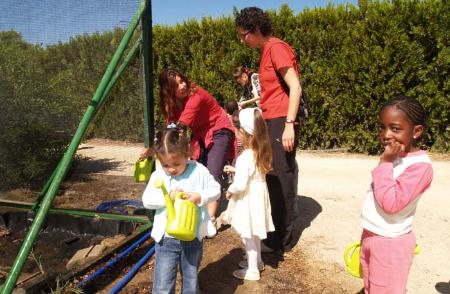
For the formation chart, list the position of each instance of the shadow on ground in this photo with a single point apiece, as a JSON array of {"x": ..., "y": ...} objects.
[
  {"x": 87, "y": 165},
  {"x": 443, "y": 287},
  {"x": 306, "y": 209},
  {"x": 221, "y": 268}
]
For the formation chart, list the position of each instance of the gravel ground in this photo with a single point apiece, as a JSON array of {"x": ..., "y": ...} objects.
[{"x": 331, "y": 188}]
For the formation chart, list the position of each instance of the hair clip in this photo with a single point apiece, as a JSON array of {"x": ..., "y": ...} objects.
[{"x": 172, "y": 125}]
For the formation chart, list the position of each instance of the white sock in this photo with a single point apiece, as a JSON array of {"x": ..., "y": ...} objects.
[{"x": 251, "y": 249}]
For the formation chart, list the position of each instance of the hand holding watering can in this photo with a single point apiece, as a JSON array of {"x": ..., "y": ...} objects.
[
  {"x": 190, "y": 196},
  {"x": 182, "y": 213}
]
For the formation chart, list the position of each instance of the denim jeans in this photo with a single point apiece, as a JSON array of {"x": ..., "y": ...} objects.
[{"x": 170, "y": 253}]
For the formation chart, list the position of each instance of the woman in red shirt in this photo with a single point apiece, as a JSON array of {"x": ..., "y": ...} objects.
[
  {"x": 280, "y": 100},
  {"x": 187, "y": 104}
]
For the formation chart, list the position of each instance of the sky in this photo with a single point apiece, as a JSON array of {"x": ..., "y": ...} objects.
[{"x": 47, "y": 22}]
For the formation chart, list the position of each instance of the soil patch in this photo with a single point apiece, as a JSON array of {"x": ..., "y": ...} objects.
[{"x": 331, "y": 188}]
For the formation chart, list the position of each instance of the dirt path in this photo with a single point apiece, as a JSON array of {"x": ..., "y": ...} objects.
[
  {"x": 331, "y": 190},
  {"x": 338, "y": 182}
]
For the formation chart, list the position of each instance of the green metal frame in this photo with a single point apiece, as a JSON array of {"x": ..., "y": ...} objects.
[
  {"x": 79, "y": 212},
  {"x": 147, "y": 62},
  {"x": 43, "y": 205},
  {"x": 102, "y": 100}
]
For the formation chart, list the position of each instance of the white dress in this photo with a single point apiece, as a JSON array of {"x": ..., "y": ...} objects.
[{"x": 249, "y": 211}]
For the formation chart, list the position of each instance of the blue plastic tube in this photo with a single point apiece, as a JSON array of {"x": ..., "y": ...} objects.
[
  {"x": 132, "y": 272},
  {"x": 114, "y": 260}
]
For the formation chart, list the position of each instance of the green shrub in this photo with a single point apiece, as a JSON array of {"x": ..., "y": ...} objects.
[
  {"x": 35, "y": 123},
  {"x": 352, "y": 59}
]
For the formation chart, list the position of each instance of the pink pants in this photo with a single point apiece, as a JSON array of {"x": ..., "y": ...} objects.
[{"x": 386, "y": 262}]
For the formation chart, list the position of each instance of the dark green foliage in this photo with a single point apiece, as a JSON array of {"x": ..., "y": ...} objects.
[
  {"x": 352, "y": 60},
  {"x": 36, "y": 124}
]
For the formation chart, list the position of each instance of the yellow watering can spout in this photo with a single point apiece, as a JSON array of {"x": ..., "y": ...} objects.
[
  {"x": 169, "y": 204},
  {"x": 182, "y": 216}
]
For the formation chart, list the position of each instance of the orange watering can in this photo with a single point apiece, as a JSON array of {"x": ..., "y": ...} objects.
[
  {"x": 351, "y": 258},
  {"x": 182, "y": 215}
]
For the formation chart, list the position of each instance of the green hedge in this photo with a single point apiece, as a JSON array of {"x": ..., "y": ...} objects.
[
  {"x": 36, "y": 121},
  {"x": 352, "y": 59}
]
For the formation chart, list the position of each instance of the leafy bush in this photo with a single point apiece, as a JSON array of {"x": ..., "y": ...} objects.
[
  {"x": 35, "y": 124},
  {"x": 352, "y": 60}
]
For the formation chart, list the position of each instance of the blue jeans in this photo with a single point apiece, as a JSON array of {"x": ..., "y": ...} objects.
[{"x": 169, "y": 253}]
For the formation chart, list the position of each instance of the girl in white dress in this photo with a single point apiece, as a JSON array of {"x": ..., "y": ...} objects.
[{"x": 249, "y": 210}]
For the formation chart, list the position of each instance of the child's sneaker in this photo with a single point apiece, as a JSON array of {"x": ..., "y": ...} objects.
[
  {"x": 211, "y": 231},
  {"x": 244, "y": 264},
  {"x": 245, "y": 274}
]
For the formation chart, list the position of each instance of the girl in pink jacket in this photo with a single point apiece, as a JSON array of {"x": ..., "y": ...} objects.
[{"x": 403, "y": 174}]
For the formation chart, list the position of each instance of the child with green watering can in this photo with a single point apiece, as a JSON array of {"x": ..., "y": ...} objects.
[
  {"x": 249, "y": 211},
  {"x": 178, "y": 174},
  {"x": 402, "y": 175}
]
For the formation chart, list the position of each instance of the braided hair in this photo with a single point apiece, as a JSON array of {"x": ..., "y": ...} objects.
[{"x": 411, "y": 107}]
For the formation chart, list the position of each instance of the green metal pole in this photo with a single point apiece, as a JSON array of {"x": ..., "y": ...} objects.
[
  {"x": 108, "y": 88},
  {"x": 120, "y": 70},
  {"x": 44, "y": 190},
  {"x": 80, "y": 212},
  {"x": 111, "y": 83},
  {"x": 147, "y": 68},
  {"x": 41, "y": 214}
]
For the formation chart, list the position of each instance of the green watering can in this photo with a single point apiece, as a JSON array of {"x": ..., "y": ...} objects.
[
  {"x": 351, "y": 258},
  {"x": 143, "y": 169},
  {"x": 182, "y": 215}
]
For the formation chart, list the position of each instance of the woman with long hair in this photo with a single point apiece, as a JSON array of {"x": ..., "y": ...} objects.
[{"x": 187, "y": 104}]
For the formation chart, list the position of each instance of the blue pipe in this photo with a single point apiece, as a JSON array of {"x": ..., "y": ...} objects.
[
  {"x": 114, "y": 260},
  {"x": 133, "y": 271}
]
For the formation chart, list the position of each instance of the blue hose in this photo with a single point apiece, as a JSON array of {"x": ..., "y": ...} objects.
[
  {"x": 133, "y": 271},
  {"x": 114, "y": 260}
]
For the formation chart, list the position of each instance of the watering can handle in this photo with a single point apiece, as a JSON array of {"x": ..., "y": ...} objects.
[
  {"x": 353, "y": 246},
  {"x": 349, "y": 248}
]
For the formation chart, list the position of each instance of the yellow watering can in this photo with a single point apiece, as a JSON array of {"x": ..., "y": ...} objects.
[
  {"x": 351, "y": 258},
  {"x": 182, "y": 215},
  {"x": 143, "y": 169}
]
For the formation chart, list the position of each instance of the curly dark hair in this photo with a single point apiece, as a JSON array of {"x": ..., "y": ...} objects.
[{"x": 254, "y": 19}]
